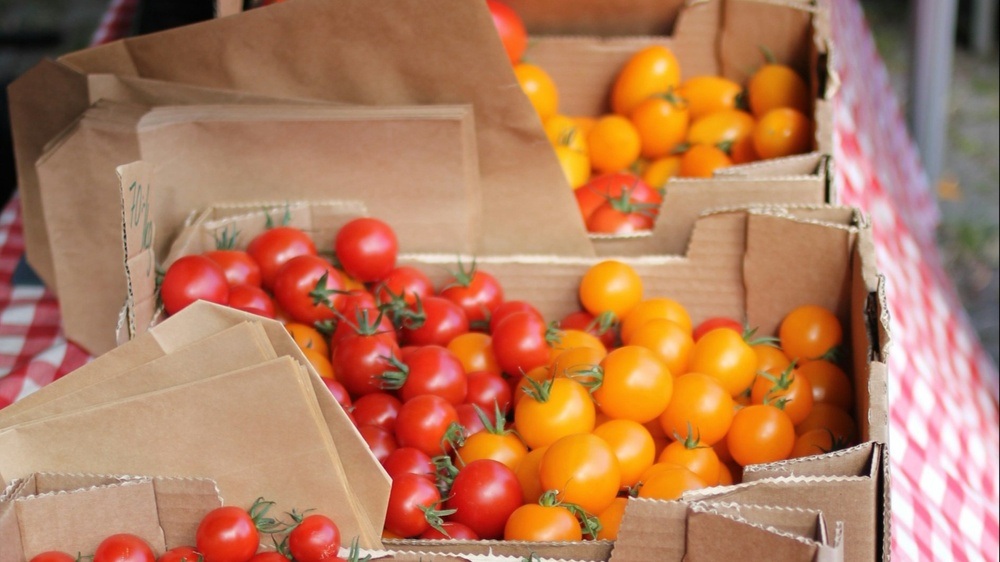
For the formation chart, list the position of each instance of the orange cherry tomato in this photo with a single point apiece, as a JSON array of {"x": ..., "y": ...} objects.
[
  {"x": 658, "y": 172},
  {"x": 708, "y": 94},
  {"x": 700, "y": 406},
  {"x": 565, "y": 131},
  {"x": 308, "y": 337},
  {"x": 725, "y": 475},
  {"x": 721, "y": 128},
  {"x": 788, "y": 390},
  {"x": 776, "y": 85},
  {"x": 662, "y": 123},
  {"x": 724, "y": 355},
  {"x": 611, "y": 519},
  {"x": 584, "y": 470},
  {"x": 579, "y": 363},
  {"x": 524, "y": 384},
  {"x": 527, "y": 475},
  {"x": 770, "y": 358},
  {"x": 815, "y": 442},
  {"x": 702, "y": 160},
  {"x": 534, "y": 522},
  {"x": 760, "y": 434},
  {"x": 632, "y": 445},
  {"x": 575, "y": 165},
  {"x": 636, "y": 384},
  {"x": 570, "y": 338},
  {"x": 475, "y": 351},
  {"x": 614, "y": 144},
  {"x": 668, "y": 340},
  {"x": 694, "y": 456},
  {"x": 782, "y": 132},
  {"x": 829, "y": 417},
  {"x": 610, "y": 287},
  {"x": 668, "y": 482},
  {"x": 648, "y": 309},
  {"x": 502, "y": 446},
  {"x": 560, "y": 407},
  {"x": 810, "y": 332},
  {"x": 319, "y": 362},
  {"x": 539, "y": 87},
  {"x": 830, "y": 384},
  {"x": 650, "y": 71},
  {"x": 742, "y": 151}
]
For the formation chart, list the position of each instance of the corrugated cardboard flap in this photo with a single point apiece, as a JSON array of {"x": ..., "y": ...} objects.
[{"x": 583, "y": 551}]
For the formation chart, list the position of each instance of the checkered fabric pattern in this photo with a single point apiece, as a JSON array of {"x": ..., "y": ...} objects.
[
  {"x": 943, "y": 415},
  {"x": 943, "y": 426}
]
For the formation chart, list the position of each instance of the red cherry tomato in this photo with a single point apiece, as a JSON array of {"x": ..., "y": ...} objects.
[
  {"x": 432, "y": 369},
  {"x": 488, "y": 390},
  {"x": 477, "y": 292},
  {"x": 437, "y": 321},
  {"x": 339, "y": 393},
  {"x": 519, "y": 343},
  {"x": 450, "y": 530},
  {"x": 366, "y": 248},
  {"x": 193, "y": 278},
  {"x": 404, "y": 282},
  {"x": 273, "y": 247},
  {"x": 359, "y": 360},
  {"x": 423, "y": 423},
  {"x": 507, "y": 308},
  {"x": 510, "y": 28},
  {"x": 251, "y": 298},
  {"x": 408, "y": 460},
  {"x": 227, "y": 534},
  {"x": 315, "y": 539},
  {"x": 410, "y": 493},
  {"x": 296, "y": 282},
  {"x": 484, "y": 494},
  {"x": 587, "y": 322},
  {"x": 377, "y": 408},
  {"x": 59, "y": 556},
  {"x": 124, "y": 547},
  {"x": 380, "y": 442},
  {"x": 238, "y": 266}
]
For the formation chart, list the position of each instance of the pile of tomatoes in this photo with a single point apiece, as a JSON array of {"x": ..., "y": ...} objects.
[
  {"x": 231, "y": 534},
  {"x": 660, "y": 126},
  {"x": 494, "y": 423}
]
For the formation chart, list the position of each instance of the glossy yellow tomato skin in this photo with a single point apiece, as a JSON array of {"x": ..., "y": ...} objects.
[
  {"x": 636, "y": 384},
  {"x": 782, "y": 132},
  {"x": 662, "y": 123},
  {"x": 632, "y": 444},
  {"x": 650, "y": 71},
  {"x": 614, "y": 144},
  {"x": 528, "y": 477},
  {"x": 760, "y": 434},
  {"x": 534, "y": 522},
  {"x": 721, "y": 128},
  {"x": 776, "y": 85},
  {"x": 611, "y": 519},
  {"x": 809, "y": 332},
  {"x": 708, "y": 94},
  {"x": 611, "y": 287},
  {"x": 575, "y": 165},
  {"x": 666, "y": 481},
  {"x": 668, "y": 340},
  {"x": 475, "y": 351},
  {"x": 505, "y": 448},
  {"x": 701, "y": 406},
  {"x": 699, "y": 459},
  {"x": 725, "y": 356},
  {"x": 658, "y": 172},
  {"x": 702, "y": 160},
  {"x": 656, "y": 307},
  {"x": 584, "y": 471},
  {"x": 568, "y": 409},
  {"x": 539, "y": 87}
]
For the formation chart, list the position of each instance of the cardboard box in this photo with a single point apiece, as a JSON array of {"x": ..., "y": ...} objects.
[
  {"x": 165, "y": 512},
  {"x": 736, "y": 266},
  {"x": 71, "y": 122}
]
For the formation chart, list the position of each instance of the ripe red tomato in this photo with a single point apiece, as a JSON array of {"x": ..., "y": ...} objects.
[
  {"x": 409, "y": 496},
  {"x": 59, "y": 556},
  {"x": 177, "y": 554},
  {"x": 477, "y": 292},
  {"x": 227, "y": 534},
  {"x": 484, "y": 494},
  {"x": 380, "y": 442},
  {"x": 366, "y": 248},
  {"x": 192, "y": 278},
  {"x": 423, "y": 423},
  {"x": 251, "y": 298},
  {"x": 124, "y": 547},
  {"x": 299, "y": 279},
  {"x": 238, "y": 266},
  {"x": 450, "y": 530},
  {"x": 620, "y": 216},
  {"x": 360, "y": 359},
  {"x": 405, "y": 282},
  {"x": 510, "y": 28},
  {"x": 507, "y": 308},
  {"x": 710, "y": 324},
  {"x": 377, "y": 408},
  {"x": 408, "y": 460},
  {"x": 519, "y": 343},
  {"x": 435, "y": 321},
  {"x": 431, "y": 369},
  {"x": 269, "y": 556},
  {"x": 273, "y": 247},
  {"x": 488, "y": 390},
  {"x": 315, "y": 539},
  {"x": 598, "y": 190}
]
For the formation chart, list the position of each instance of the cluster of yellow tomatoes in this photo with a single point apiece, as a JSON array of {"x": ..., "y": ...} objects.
[{"x": 661, "y": 126}]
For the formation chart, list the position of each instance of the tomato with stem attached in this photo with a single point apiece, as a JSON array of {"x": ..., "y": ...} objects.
[
  {"x": 477, "y": 292},
  {"x": 760, "y": 433},
  {"x": 412, "y": 500},
  {"x": 519, "y": 343},
  {"x": 700, "y": 406},
  {"x": 275, "y": 246},
  {"x": 315, "y": 538},
  {"x": 649, "y": 71},
  {"x": 724, "y": 355},
  {"x": 553, "y": 409},
  {"x": 307, "y": 288},
  {"x": 232, "y": 534},
  {"x": 634, "y": 384},
  {"x": 425, "y": 422},
  {"x": 584, "y": 469},
  {"x": 632, "y": 445},
  {"x": 810, "y": 332},
  {"x": 610, "y": 287},
  {"x": 483, "y": 494}
]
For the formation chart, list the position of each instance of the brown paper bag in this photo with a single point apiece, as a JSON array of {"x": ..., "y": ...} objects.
[
  {"x": 370, "y": 52},
  {"x": 366, "y": 478},
  {"x": 257, "y": 432},
  {"x": 253, "y": 153}
]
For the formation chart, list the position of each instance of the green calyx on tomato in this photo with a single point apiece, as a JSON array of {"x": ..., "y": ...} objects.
[
  {"x": 461, "y": 277},
  {"x": 590, "y": 525},
  {"x": 749, "y": 336},
  {"x": 226, "y": 240},
  {"x": 258, "y": 514},
  {"x": 435, "y": 516},
  {"x": 445, "y": 472},
  {"x": 395, "y": 378},
  {"x": 286, "y": 218},
  {"x": 692, "y": 440}
]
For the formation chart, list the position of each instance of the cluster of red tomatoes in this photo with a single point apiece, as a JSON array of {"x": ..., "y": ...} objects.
[
  {"x": 231, "y": 534},
  {"x": 494, "y": 423},
  {"x": 660, "y": 126}
]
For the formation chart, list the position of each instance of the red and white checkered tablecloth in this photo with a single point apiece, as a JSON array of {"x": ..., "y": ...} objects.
[{"x": 945, "y": 464}]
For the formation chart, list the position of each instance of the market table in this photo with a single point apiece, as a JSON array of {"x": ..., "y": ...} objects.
[{"x": 945, "y": 470}]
